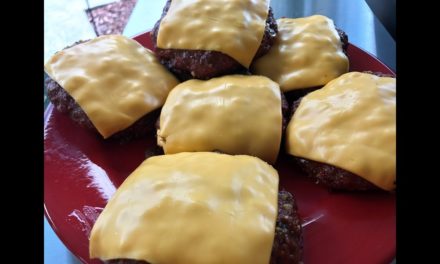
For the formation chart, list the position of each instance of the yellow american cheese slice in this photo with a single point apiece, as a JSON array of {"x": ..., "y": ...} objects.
[
  {"x": 307, "y": 53},
  {"x": 350, "y": 123},
  {"x": 233, "y": 114},
  {"x": 114, "y": 80},
  {"x": 233, "y": 27},
  {"x": 193, "y": 208}
]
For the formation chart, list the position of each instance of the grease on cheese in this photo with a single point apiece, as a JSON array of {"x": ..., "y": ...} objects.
[
  {"x": 234, "y": 114},
  {"x": 114, "y": 79},
  {"x": 193, "y": 208},
  {"x": 233, "y": 27},
  {"x": 307, "y": 52},
  {"x": 350, "y": 123}
]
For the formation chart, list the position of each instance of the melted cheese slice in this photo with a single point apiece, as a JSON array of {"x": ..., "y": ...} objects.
[
  {"x": 193, "y": 208},
  {"x": 233, "y": 27},
  {"x": 307, "y": 53},
  {"x": 350, "y": 123},
  {"x": 233, "y": 114},
  {"x": 114, "y": 79}
]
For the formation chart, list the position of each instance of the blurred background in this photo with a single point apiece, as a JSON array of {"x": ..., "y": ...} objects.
[
  {"x": 66, "y": 21},
  {"x": 370, "y": 25}
]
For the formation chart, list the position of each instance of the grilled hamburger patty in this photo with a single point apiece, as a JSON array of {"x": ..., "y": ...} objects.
[
  {"x": 287, "y": 245},
  {"x": 203, "y": 64},
  {"x": 332, "y": 176},
  {"x": 64, "y": 103}
]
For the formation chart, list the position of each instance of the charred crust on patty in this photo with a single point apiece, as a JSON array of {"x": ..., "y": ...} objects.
[
  {"x": 287, "y": 247},
  {"x": 205, "y": 64},
  {"x": 344, "y": 40},
  {"x": 65, "y": 103},
  {"x": 333, "y": 177},
  {"x": 285, "y": 112}
]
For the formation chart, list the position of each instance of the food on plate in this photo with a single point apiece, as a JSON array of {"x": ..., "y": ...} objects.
[
  {"x": 233, "y": 114},
  {"x": 203, "y": 39},
  {"x": 308, "y": 52},
  {"x": 344, "y": 135},
  {"x": 199, "y": 207},
  {"x": 110, "y": 84}
]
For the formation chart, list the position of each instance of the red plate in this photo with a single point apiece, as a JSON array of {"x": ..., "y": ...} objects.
[{"x": 81, "y": 172}]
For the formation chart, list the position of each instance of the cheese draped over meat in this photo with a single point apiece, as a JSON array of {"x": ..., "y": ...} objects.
[
  {"x": 307, "y": 53},
  {"x": 233, "y": 114},
  {"x": 233, "y": 27},
  {"x": 193, "y": 208},
  {"x": 113, "y": 79},
  {"x": 350, "y": 123}
]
